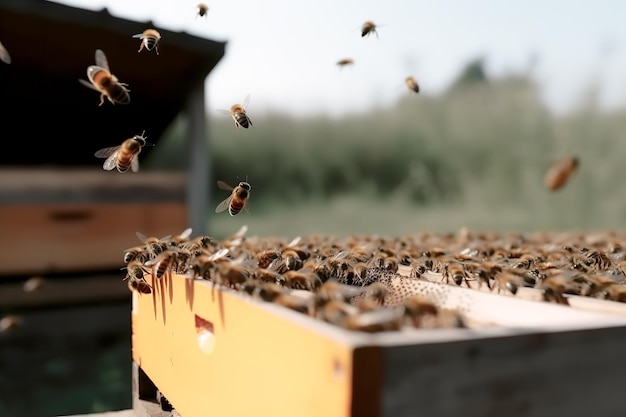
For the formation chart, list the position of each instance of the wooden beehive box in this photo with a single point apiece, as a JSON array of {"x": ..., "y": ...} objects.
[
  {"x": 65, "y": 220},
  {"x": 214, "y": 351}
]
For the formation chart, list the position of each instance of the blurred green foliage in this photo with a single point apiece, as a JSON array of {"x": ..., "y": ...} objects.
[{"x": 483, "y": 146}]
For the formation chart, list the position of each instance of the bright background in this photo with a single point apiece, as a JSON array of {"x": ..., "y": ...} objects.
[{"x": 284, "y": 52}]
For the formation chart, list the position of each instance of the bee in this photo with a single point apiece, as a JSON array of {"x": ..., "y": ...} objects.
[
  {"x": 555, "y": 287},
  {"x": 4, "y": 54},
  {"x": 560, "y": 172},
  {"x": 234, "y": 273},
  {"x": 508, "y": 281},
  {"x": 359, "y": 271},
  {"x": 182, "y": 238},
  {"x": 154, "y": 246},
  {"x": 136, "y": 281},
  {"x": 416, "y": 308},
  {"x": 412, "y": 84},
  {"x": 149, "y": 40},
  {"x": 293, "y": 302},
  {"x": 267, "y": 257},
  {"x": 377, "y": 291},
  {"x": 138, "y": 253},
  {"x": 201, "y": 10},
  {"x": 238, "y": 113},
  {"x": 456, "y": 271},
  {"x": 237, "y": 200},
  {"x": 598, "y": 260},
  {"x": 107, "y": 84},
  {"x": 123, "y": 156},
  {"x": 380, "y": 320},
  {"x": 368, "y": 28},
  {"x": 269, "y": 275},
  {"x": 334, "y": 290},
  {"x": 302, "y": 280},
  {"x": 33, "y": 284},
  {"x": 203, "y": 264},
  {"x": 164, "y": 263},
  {"x": 345, "y": 61}
]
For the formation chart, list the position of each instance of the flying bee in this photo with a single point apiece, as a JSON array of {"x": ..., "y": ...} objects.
[
  {"x": 237, "y": 200},
  {"x": 368, "y": 28},
  {"x": 238, "y": 113},
  {"x": 123, "y": 156},
  {"x": 4, "y": 54},
  {"x": 107, "y": 84},
  {"x": 149, "y": 40},
  {"x": 33, "y": 284},
  {"x": 201, "y": 10},
  {"x": 345, "y": 61},
  {"x": 134, "y": 275},
  {"x": 10, "y": 322},
  {"x": 560, "y": 172},
  {"x": 412, "y": 84}
]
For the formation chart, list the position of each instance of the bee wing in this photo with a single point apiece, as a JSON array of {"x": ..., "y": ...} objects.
[
  {"x": 219, "y": 254},
  {"x": 186, "y": 234},
  {"x": 134, "y": 164},
  {"x": 106, "y": 152},
  {"x": 246, "y": 101},
  {"x": 224, "y": 186},
  {"x": 88, "y": 84},
  {"x": 224, "y": 204},
  {"x": 224, "y": 111},
  {"x": 138, "y": 35},
  {"x": 110, "y": 162},
  {"x": 101, "y": 60}
]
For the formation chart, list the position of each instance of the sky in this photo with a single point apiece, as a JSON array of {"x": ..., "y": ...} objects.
[{"x": 283, "y": 53}]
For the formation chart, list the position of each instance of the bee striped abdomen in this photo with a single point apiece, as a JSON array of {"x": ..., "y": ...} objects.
[{"x": 235, "y": 207}]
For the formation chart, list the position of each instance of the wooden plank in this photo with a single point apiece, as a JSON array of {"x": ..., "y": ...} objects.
[
  {"x": 172, "y": 328},
  {"x": 399, "y": 373},
  {"x": 52, "y": 238},
  {"x": 575, "y": 374}
]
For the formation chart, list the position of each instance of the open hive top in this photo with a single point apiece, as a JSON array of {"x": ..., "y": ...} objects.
[{"x": 373, "y": 284}]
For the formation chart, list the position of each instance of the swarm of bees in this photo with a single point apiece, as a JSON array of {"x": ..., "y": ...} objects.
[{"x": 371, "y": 284}]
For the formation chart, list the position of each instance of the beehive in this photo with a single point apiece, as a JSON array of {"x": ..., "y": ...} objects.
[{"x": 215, "y": 350}]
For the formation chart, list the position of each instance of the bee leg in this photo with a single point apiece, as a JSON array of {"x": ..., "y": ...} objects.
[{"x": 101, "y": 100}]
